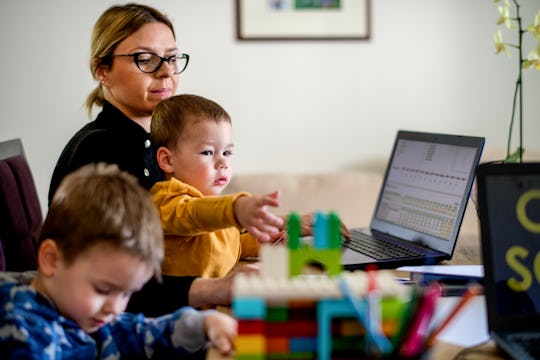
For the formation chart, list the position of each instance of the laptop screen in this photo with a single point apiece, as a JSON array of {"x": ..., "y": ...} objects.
[
  {"x": 509, "y": 200},
  {"x": 426, "y": 187}
]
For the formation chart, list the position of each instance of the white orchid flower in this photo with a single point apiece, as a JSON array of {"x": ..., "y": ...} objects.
[
  {"x": 505, "y": 18},
  {"x": 500, "y": 45},
  {"x": 534, "y": 28},
  {"x": 532, "y": 59}
]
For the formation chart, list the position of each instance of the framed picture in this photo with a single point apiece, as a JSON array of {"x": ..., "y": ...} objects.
[{"x": 303, "y": 19}]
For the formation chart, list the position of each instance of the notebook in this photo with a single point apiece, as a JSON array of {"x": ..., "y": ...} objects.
[
  {"x": 421, "y": 202},
  {"x": 509, "y": 211}
]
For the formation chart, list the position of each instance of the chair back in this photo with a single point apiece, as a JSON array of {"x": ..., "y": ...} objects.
[{"x": 20, "y": 211}]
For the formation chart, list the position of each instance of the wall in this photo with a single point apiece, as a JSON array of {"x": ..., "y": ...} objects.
[{"x": 297, "y": 106}]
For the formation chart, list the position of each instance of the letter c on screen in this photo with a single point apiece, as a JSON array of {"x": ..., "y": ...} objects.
[{"x": 521, "y": 211}]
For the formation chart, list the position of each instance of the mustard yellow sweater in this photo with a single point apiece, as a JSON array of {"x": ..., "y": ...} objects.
[{"x": 202, "y": 237}]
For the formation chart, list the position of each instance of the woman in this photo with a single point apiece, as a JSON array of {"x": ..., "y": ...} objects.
[{"x": 135, "y": 59}]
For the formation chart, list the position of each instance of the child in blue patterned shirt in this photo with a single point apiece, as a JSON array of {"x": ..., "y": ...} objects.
[{"x": 100, "y": 242}]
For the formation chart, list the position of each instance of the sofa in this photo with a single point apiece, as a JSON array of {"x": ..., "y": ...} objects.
[{"x": 352, "y": 194}]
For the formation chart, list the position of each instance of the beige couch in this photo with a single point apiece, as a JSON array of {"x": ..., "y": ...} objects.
[{"x": 352, "y": 194}]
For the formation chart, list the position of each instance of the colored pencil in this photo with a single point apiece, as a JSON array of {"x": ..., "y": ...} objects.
[
  {"x": 472, "y": 290},
  {"x": 413, "y": 344}
]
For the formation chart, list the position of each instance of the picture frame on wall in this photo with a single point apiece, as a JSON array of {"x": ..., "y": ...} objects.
[{"x": 303, "y": 19}]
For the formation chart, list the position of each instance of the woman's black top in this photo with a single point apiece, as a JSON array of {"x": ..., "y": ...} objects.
[
  {"x": 112, "y": 138},
  {"x": 115, "y": 139}
]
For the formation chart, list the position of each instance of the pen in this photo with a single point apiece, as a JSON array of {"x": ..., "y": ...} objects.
[
  {"x": 457, "y": 290},
  {"x": 447, "y": 289},
  {"x": 472, "y": 290}
]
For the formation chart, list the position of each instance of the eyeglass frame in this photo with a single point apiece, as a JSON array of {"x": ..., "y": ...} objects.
[{"x": 136, "y": 55}]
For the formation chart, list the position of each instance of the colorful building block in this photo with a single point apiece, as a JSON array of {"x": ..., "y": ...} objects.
[
  {"x": 250, "y": 344},
  {"x": 285, "y": 314},
  {"x": 249, "y": 308}
]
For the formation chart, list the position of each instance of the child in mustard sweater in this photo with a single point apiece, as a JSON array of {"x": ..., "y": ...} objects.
[{"x": 206, "y": 233}]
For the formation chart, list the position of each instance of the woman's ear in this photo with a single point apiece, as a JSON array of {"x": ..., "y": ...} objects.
[
  {"x": 101, "y": 74},
  {"x": 49, "y": 256},
  {"x": 164, "y": 159}
]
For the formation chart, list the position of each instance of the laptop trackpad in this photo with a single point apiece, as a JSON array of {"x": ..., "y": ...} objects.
[{"x": 353, "y": 257}]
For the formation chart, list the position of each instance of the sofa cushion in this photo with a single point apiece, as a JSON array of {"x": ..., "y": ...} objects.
[{"x": 352, "y": 194}]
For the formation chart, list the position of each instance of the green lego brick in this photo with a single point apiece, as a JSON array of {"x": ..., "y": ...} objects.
[
  {"x": 329, "y": 258},
  {"x": 334, "y": 231},
  {"x": 293, "y": 231},
  {"x": 276, "y": 314},
  {"x": 249, "y": 357}
]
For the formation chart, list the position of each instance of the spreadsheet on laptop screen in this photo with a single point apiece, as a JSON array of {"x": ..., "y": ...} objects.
[{"x": 426, "y": 195}]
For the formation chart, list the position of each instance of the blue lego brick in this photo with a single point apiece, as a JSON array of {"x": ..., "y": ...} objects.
[
  {"x": 303, "y": 344},
  {"x": 249, "y": 308}
]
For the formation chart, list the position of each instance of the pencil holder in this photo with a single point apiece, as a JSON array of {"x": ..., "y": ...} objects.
[{"x": 283, "y": 313}]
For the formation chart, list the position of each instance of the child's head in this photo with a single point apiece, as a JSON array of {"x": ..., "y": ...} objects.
[
  {"x": 101, "y": 241},
  {"x": 193, "y": 138}
]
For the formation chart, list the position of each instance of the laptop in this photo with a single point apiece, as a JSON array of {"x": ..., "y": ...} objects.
[
  {"x": 421, "y": 202},
  {"x": 509, "y": 211}
]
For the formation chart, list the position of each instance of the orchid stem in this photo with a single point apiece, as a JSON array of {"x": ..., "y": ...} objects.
[{"x": 518, "y": 91}]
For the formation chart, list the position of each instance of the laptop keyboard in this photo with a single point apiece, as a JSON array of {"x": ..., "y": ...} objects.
[
  {"x": 530, "y": 343},
  {"x": 377, "y": 248}
]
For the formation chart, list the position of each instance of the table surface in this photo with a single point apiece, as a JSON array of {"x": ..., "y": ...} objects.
[
  {"x": 441, "y": 350},
  {"x": 464, "y": 327}
]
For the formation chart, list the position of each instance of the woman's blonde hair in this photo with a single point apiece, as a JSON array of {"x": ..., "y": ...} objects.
[
  {"x": 114, "y": 26},
  {"x": 98, "y": 203}
]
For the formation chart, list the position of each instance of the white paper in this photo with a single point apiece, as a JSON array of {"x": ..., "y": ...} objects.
[
  {"x": 474, "y": 271},
  {"x": 469, "y": 327}
]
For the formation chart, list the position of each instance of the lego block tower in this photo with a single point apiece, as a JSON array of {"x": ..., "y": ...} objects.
[{"x": 286, "y": 314}]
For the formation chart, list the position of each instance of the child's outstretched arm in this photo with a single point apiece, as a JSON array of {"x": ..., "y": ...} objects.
[
  {"x": 185, "y": 331},
  {"x": 252, "y": 213}
]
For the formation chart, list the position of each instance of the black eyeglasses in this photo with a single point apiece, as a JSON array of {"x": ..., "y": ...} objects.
[{"x": 149, "y": 62}]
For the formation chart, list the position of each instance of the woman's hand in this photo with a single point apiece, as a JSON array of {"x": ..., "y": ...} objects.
[{"x": 217, "y": 291}]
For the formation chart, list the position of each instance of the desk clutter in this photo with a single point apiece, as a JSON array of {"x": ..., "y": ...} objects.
[{"x": 284, "y": 313}]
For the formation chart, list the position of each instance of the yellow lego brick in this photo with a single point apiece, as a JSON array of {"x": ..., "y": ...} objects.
[{"x": 250, "y": 344}]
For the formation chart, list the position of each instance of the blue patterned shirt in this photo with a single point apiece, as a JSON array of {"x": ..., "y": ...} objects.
[{"x": 31, "y": 328}]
